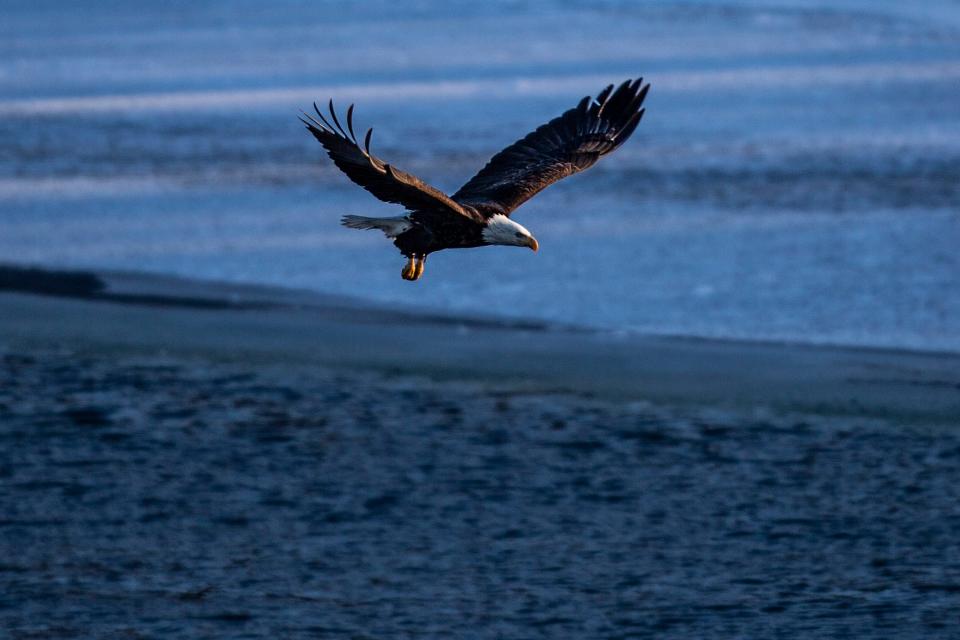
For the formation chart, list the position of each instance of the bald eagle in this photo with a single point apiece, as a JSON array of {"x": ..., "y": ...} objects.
[{"x": 478, "y": 213}]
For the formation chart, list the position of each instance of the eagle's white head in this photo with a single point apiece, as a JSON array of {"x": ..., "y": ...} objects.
[{"x": 502, "y": 230}]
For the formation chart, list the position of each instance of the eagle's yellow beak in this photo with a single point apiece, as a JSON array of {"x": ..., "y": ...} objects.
[{"x": 532, "y": 243}]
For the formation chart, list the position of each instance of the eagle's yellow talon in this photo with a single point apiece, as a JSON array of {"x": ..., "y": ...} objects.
[
  {"x": 419, "y": 268},
  {"x": 409, "y": 270}
]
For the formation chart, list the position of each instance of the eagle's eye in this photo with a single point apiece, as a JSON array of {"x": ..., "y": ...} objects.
[{"x": 518, "y": 234}]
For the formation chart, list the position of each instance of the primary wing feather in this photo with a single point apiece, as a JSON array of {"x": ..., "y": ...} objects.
[
  {"x": 566, "y": 145},
  {"x": 383, "y": 180}
]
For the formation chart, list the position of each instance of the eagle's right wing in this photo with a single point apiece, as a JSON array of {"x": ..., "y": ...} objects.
[
  {"x": 383, "y": 180},
  {"x": 564, "y": 146}
]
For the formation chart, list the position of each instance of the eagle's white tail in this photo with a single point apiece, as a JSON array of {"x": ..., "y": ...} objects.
[{"x": 391, "y": 227}]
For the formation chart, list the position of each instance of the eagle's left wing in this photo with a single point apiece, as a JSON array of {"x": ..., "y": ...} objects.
[
  {"x": 383, "y": 180},
  {"x": 566, "y": 145}
]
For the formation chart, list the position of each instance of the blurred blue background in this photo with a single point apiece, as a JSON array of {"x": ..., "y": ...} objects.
[{"x": 796, "y": 175}]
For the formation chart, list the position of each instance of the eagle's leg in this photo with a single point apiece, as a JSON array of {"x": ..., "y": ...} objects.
[
  {"x": 410, "y": 269},
  {"x": 419, "y": 270}
]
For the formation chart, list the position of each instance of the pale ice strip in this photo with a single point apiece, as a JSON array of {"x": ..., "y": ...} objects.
[{"x": 674, "y": 81}]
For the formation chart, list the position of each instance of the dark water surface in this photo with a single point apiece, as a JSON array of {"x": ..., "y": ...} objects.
[{"x": 153, "y": 500}]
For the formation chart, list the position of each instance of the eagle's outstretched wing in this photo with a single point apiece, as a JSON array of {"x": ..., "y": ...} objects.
[
  {"x": 383, "y": 180},
  {"x": 566, "y": 145}
]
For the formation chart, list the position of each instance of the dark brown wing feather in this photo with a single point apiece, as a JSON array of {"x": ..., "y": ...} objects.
[
  {"x": 383, "y": 180},
  {"x": 564, "y": 146}
]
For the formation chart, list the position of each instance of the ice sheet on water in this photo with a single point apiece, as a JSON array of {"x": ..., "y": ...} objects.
[{"x": 795, "y": 176}]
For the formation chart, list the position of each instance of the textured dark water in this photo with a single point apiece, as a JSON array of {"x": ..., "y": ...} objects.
[{"x": 149, "y": 499}]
